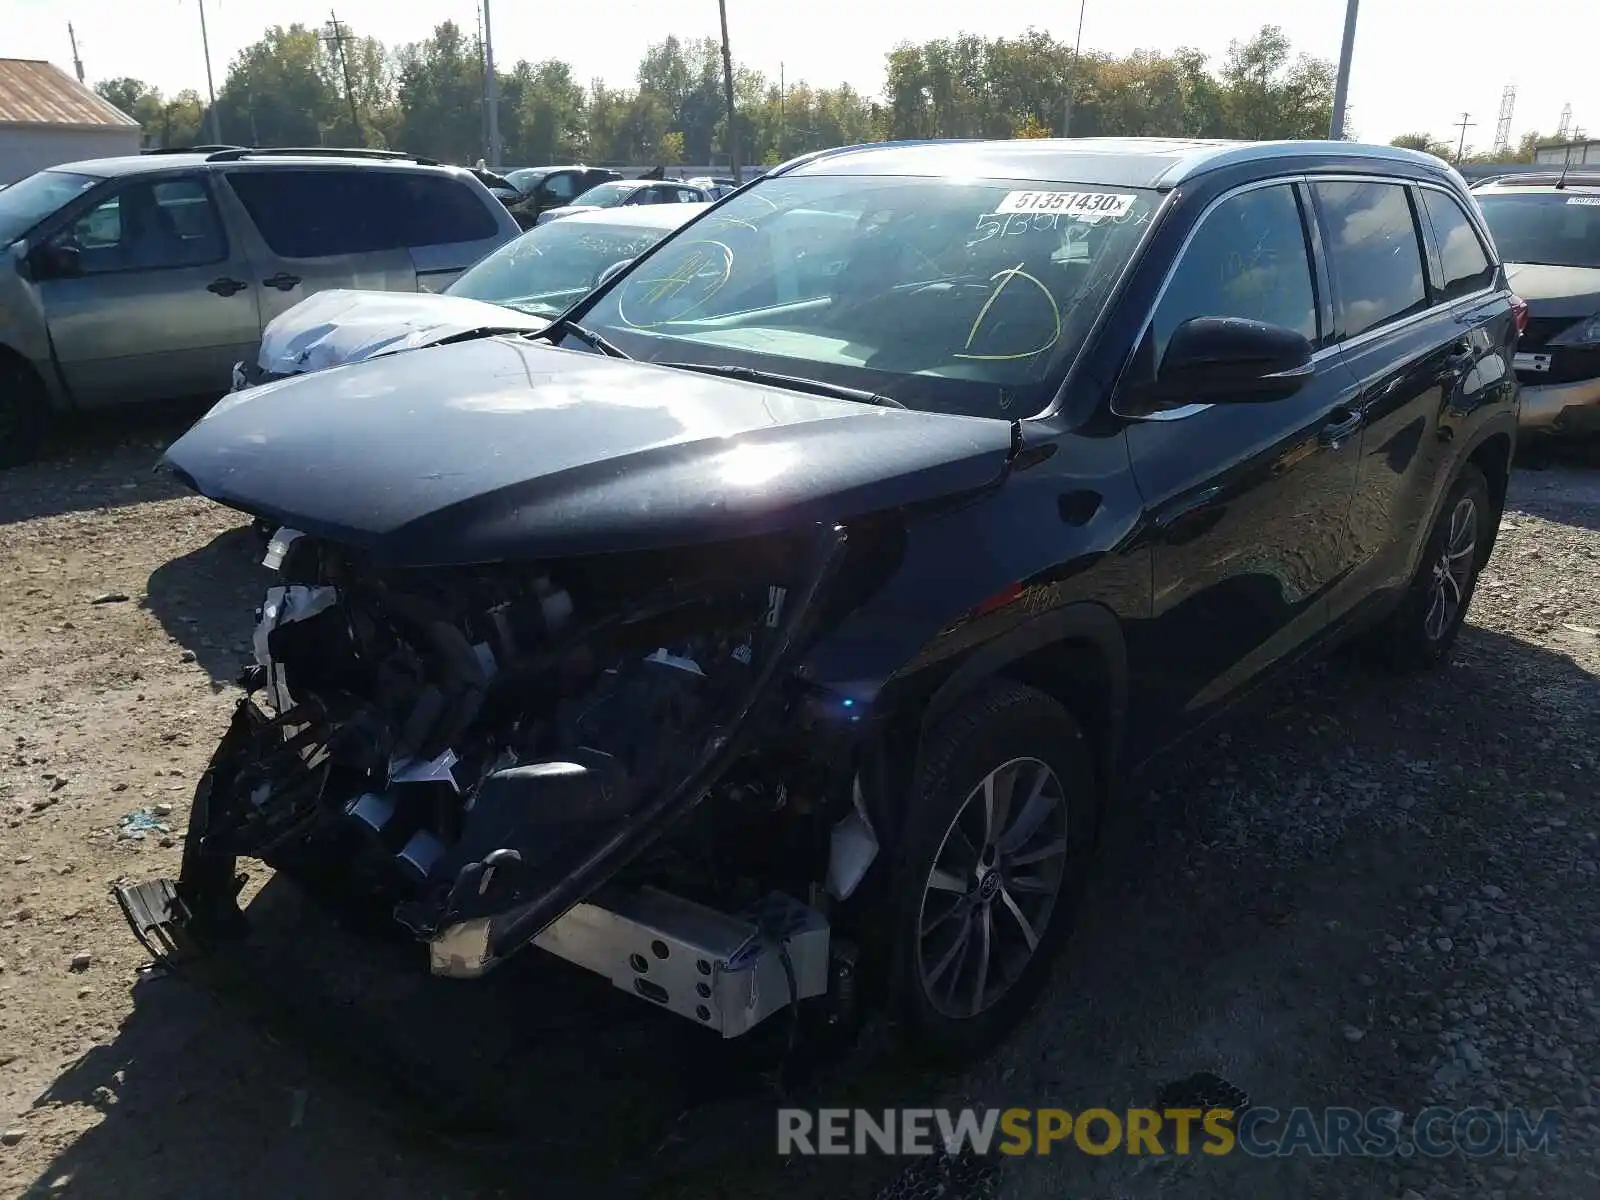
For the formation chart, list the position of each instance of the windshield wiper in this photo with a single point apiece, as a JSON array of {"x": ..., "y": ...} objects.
[
  {"x": 565, "y": 325},
  {"x": 795, "y": 383}
]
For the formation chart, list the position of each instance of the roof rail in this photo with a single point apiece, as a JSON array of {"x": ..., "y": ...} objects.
[
  {"x": 189, "y": 149},
  {"x": 235, "y": 153}
]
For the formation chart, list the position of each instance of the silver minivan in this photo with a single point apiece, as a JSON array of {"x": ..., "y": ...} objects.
[{"x": 144, "y": 278}]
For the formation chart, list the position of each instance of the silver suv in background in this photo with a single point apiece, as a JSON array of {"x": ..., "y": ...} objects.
[{"x": 144, "y": 278}]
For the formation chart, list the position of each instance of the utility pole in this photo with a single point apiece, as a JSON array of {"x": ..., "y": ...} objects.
[
  {"x": 1072, "y": 76},
  {"x": 211, "y": 91},
  {"x": 491, "y": 91},
  {"x": 1465, "y": 124},
  {"x": 1341, "y": 86},
  {"x": 337, "y": 37},
  {"x": 783, "y": 100},
  {"x": 77, "y": 63},
  {"x": 727, "y": 84}
]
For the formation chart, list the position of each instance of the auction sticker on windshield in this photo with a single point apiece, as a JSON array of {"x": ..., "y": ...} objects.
[
  {"x": 1086, "y": 205},
  {"x": 1590, "y": 200}
]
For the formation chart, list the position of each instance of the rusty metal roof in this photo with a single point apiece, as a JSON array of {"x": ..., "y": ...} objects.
[{"x": 33, "y": 92}]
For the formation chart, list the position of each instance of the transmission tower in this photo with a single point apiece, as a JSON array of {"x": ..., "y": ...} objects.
[
  {"x": 1563, "y": 129},
  {"x": 1502, "y": 129}
]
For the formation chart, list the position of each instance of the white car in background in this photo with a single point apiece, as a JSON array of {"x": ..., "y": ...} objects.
[{"x": 517, "y": 288}]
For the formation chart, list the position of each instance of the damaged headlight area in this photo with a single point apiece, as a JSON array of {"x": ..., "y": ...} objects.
[{"x": 598, "y": 755}]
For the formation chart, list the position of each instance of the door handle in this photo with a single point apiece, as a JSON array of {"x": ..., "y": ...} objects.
[
  {"x": 1339, "y": 428},
  {"x": 226, "y": 286},
  {"x": 283, "y": 281}
]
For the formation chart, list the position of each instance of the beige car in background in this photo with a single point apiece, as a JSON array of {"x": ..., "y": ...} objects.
[{"x": 146, "y": 278}]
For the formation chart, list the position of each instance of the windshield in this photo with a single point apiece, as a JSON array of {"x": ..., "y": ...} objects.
[
  {"x": 547, "y": 269},
  {"x": 25, "y": 203},
  {"x": 1555, "y": 228},
  {"x": 525, "y": 179},
  {"x": 606, "y": 195},
  {"x": 954, "y": 296}
]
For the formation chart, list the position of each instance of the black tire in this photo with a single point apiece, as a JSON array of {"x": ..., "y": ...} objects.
[
  {"x": 1414, "y": 637},
  {"x": 1003, "y": 725},
  {"x": 24, "y": 413}
]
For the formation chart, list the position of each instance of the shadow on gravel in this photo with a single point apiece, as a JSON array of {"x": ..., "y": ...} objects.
[
  {"x": 205, "y": 600},
  {"x": 1232, "y": 926},
  {"x": 97, "y": 460}
]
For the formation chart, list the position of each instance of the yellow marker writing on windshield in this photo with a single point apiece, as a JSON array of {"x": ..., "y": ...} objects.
[{"x": 1004, "y": 278}]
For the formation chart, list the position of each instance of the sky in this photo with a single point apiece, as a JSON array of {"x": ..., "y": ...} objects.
[{"x": 1418, "y": 64}]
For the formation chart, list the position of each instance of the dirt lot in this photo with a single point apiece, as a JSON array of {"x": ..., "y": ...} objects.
[{"x": 1367, "y": 893}]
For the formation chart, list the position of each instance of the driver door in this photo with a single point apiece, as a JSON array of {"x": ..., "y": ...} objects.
[
  {"x": 162, "y": 305},
  {"x": 1247, "y": 505}
]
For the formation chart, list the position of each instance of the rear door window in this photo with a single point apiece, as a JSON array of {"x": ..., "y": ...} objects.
[
  {"x": 1466, "y": 267},
  {"x": 1374, "y": 253},
  {"x": 318, "y": 213},
  {"x": 1247, "y": 259}
]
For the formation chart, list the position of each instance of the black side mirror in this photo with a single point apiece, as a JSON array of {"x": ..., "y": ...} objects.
[
  {"x": 1231, "y": 360},
  {"x": 55, "y": 262}
]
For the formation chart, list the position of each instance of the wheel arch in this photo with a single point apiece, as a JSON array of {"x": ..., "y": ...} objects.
[
  {"x": 1075, "y": 654},
  {"x": 1492, "y": 456}
]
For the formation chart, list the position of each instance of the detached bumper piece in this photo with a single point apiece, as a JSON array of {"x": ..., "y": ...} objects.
[{"x": 723, "y": 972}]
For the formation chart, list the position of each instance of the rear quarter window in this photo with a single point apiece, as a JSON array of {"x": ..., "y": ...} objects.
[
  {"x": 1466, "y": 266},
  {"x": 435, "y": 210}
]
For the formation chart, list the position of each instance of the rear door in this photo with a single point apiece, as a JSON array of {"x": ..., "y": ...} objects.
[
  {"x": 317, "y": 227},
  {"x": 1246, "y": 504},
  {"x": 165, "y": 304},
  {"x": 1411, "y": 339},
  {"x": 445, "y": 224}
]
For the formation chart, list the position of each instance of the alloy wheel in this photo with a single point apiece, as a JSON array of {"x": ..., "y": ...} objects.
[
  {"x": 1452, "y": 571},
  {"x": 993, "y": 886}
]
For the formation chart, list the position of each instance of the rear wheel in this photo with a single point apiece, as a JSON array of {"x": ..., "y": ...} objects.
[
  {"x": 1423, "y": 629},
  {"x": 1001, "y": 825},
  {"x": 24, "y": 413}
]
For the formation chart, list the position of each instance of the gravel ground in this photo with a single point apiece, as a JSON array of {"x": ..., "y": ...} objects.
[{"x": 1366, "y": 893}]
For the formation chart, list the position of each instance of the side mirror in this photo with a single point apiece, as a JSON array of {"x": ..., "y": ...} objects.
[
  {"x": 1231, "y": 360},
  {"x": 611, "y": 272},
  {"x": 55, "y": 262}
]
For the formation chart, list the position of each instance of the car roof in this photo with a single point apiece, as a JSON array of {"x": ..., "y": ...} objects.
[
  {"x": 639, "y": 216},
  {"x": 137, "y": 164},
  {"x": 1125, "y": 162}
]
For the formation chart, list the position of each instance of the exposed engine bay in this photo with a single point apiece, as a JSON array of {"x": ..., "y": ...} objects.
[{"x": 599, "y": 755}]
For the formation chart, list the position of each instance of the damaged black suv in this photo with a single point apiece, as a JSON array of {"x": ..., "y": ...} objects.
[{"x": 791, "y": 606}]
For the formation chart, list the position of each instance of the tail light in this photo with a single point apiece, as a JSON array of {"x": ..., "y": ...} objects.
[{"x": 1519, "y": 313}]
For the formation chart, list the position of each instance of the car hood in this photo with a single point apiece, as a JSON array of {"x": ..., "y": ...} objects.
[
  {"x": 500, "y": 449},
  {"x": 1556, "y": 291},
  {"x": 565, "y": 210},
  {"x": 338, "y": 326}
]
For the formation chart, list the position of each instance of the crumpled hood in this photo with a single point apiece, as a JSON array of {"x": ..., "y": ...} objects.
[
  {"x": 500, "y": 449},
  {"x": 1556, "y": 291},
  {"x": 331, "y": 328}
]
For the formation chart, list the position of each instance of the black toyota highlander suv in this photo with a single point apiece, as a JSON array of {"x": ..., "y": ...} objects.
[{"x": 789, "y": 608}]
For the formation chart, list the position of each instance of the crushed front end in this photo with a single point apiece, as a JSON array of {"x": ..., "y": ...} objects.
[{"x": 599, "y": 755}]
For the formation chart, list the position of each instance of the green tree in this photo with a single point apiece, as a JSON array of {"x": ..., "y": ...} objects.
[
  {"x": 281, "y": 91},
  {"x": 439, "y": 95},
  {"x": 1424, "y": 142}
]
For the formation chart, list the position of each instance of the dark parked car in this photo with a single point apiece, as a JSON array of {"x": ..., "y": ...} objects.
[
  {"x": 1547, "y": 229},
  {"x": 798, "y": 609},
  {"x": 541, "y": 188},
  {"x": 620, "y": 193}
]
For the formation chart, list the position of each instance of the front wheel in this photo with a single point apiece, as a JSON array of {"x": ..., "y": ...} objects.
[
  {"x": 1000, "y": 829},
  {"x": 1423, "y": 629},
  {"x": 24, "y": 413}
]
